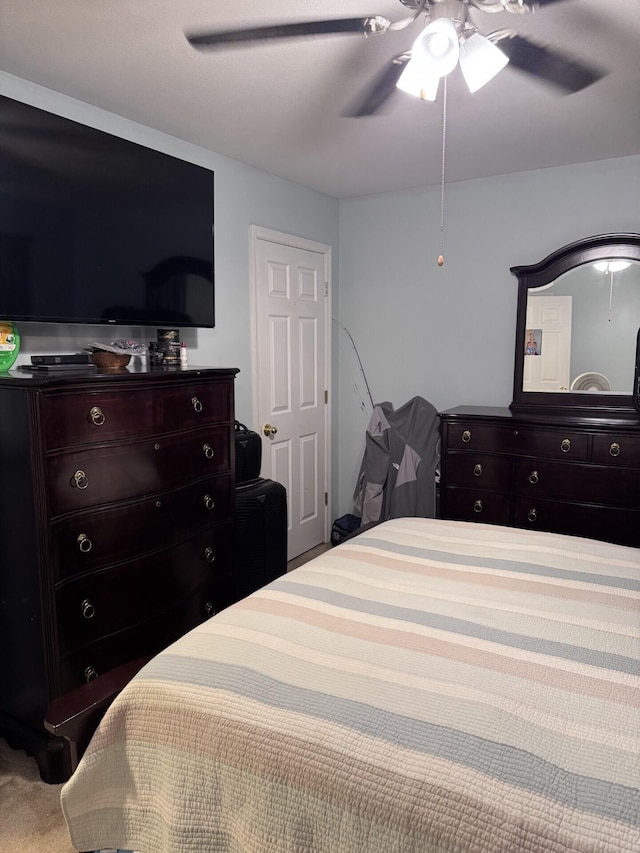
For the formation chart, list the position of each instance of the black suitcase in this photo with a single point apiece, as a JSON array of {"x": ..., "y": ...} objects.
[
  {"x": 248, "y": 453},
  {"x": 260, "y": 535}
]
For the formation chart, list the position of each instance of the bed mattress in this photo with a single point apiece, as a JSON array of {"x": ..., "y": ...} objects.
[{"x": 426, "y": 686}]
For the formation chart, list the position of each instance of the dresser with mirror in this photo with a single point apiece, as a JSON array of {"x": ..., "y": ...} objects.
[{"x": 565, "y": 456}]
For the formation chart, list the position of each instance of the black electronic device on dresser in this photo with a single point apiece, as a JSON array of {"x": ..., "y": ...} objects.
[
  {"x": 564, "y": 457},
  {"x": 117, "y": 494}
]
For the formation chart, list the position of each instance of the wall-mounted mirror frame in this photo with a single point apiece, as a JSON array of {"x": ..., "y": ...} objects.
[{"x": 558, "y": 403}]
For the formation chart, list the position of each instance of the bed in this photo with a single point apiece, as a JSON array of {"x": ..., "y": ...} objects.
[{"x": 426, "y": 686}]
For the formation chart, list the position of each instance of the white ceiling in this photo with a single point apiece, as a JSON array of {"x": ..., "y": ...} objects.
[{"x": 279, "y": 105}]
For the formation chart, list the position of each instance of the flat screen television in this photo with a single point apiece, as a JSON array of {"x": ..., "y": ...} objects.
[{"x": 97, "y": 229}]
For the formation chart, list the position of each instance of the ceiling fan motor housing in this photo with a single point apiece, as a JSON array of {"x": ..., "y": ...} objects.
[{"x": 485, "y": 5}]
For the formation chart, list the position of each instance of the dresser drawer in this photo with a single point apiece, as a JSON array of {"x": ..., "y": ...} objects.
[
  {"x": 99, "y": 416},
  {"x": 145, "y": 638},
  {"x": 96, "y": 416},
  {"x": 475, "y": 505},
  {"x": 585, "y": 483},
  {"x": 598, "y": 522},
  {"x": 477, "y": 437},
  {"x": 94, "y": 476},
  {"x": 193, "y": 405},
  {"x": 550, "y": 444},
  {"x": 477, "y": 470},
  {"x": 90, "y": 540},
  {"x": 94, "y": 606},
  {"x": 617, "y": 450}
]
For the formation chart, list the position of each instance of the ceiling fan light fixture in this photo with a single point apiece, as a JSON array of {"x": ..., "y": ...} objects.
[
  {"x": 436, "y": 50},
  {"x": 414, "y": 81},
  {"x": 480, "y": 61}
]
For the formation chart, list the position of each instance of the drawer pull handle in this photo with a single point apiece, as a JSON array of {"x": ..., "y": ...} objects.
[
  {"x": 614, "y": 450},
  {"x": 209, "y": 555},
  {"x": 532, "y": 515},
  {"x": 466, "y": 436},
  {"x": 565, "y": 445},
  {"x": 477, "y": 470},
  {"x": 80, "y": 480},
  {"x": 209, "y": 609},
  {"x": 84, "y": 543},
  {"x": 197, "y": 405},
  {"x": 208, "y": 451},
  {"x": 209, "y": 502},
  {"x": 477, "y": 507},
  {"x": 534, "y": 477},
  {"x": 90, "y": 674},
  {"x": 88, "y": 610},
  {"x": 96, "y": 415}
]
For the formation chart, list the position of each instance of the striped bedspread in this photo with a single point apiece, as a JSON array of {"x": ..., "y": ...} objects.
[{"x": 426, "y": 686}]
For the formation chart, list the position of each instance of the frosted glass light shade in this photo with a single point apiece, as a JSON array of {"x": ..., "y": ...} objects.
[
  {"x": 415, "y": 82},
  {"x": 480, "y": 61},
  {"x": 436, "y": 49}
]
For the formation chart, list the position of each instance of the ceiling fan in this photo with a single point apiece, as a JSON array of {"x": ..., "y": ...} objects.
[{"x": 449, "y": 38}]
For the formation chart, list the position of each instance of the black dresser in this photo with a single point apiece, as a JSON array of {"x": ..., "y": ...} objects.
[
  {"x": 557, "y": 474},
  {"x": 116, "y": 504}
]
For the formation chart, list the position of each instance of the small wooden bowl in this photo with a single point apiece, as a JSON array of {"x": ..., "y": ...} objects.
[{"x": 110, "y": 360}]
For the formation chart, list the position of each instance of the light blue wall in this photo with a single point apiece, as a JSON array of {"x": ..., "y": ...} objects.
[
  {"x": 448, "y": 334},
  {"x": 244, "y": 196},
  {"x": 445, "y": 334}
]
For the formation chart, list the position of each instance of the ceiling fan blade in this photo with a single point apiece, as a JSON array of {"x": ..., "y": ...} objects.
[
  {"x": 536, "y": 3},
  {"x": 559, "y": 69},
  {"x": 221, "y": 38},
  {"x": 381, "y": 89}
]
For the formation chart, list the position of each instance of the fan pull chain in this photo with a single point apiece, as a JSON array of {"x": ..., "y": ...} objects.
[{"x": 444, "y": 144}]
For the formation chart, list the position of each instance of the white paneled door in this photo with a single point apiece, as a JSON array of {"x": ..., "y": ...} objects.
[{"x": 291, "y": 312}]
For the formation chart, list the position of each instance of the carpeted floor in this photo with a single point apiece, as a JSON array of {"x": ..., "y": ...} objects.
[{"x": 30, "y": 817}]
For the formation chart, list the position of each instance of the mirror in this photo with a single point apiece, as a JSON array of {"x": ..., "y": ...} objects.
[{"x": 577, "y": 327}]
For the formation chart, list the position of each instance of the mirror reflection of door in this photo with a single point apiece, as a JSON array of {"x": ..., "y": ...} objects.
[
  {"x": 548, "y": 345},
  {"x": 603, "y": 323}
]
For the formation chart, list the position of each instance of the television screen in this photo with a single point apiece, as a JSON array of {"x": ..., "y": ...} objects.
[{"x": 97, "y": 229}]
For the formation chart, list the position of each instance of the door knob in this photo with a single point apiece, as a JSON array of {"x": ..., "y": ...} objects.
[{"x": 267, "y": 429}]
